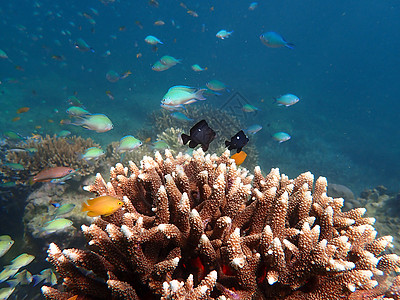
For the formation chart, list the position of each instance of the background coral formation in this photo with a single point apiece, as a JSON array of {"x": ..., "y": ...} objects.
[
  {"x": 50, "y": 151},
  {"x": 201, "y": 228},
  {"x": 39, "y": 210}
]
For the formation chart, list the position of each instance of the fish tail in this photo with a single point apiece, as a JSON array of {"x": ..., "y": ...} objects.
[
  {"x": 79, "y": 121},
  {"x": 199, "y": 94},
  {"x": 227, "y": 143},
  {"x": 85, "y": 207},
  {"x": 37, "y": 279},
  {"x": 185, "y": 138},
  {"x": 290, "y": 45}
]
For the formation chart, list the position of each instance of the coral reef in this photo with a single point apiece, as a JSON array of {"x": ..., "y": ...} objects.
[
  {"x": 46, "y": 152},
  {"x": 384, "y": 206},
  {"x": 200, "y": 228},
  {"x": 39, "y": 210},
  {"x": 113, "y": 156}
]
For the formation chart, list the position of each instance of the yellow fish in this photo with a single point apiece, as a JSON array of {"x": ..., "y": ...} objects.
[{"x": 103, "y": 205}]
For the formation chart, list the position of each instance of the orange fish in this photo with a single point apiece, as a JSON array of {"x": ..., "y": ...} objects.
[
  {"x": 147, "y": 140},
  {"x": 73, "y": 297},
  {"x": 38, "y": 127},
  {"x": 139, "y": 55},
  {"x": 16, "y": 119},
  {"x": 50, "y": 121},
  {"x": 103, "y": 205},
  {"x": 52, "y": 173},
  {"x": 193, "y": 13},
  {"x": 23, "y": 110},
  {"x": 239, "y": 157},
  {"x": 122, "y": 28}
]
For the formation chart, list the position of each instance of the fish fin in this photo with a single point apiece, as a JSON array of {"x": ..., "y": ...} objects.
[
  {"x": 238, "y": 150},
  {"x": 92, "y": 214},
  {"x": 192, "y": 144},
  {"x": 185, "y": 138},
  {"x": 123, "y": 156},
  {"x": 85, "y": 207},
  {"x": 290, "y": 45},
  {"x": 227, "y": 143},
  {"x": 204, "y": 147},
  {"x": 12, "y": 282},
  {"x": 199, "y": 94},
  {"x": 36, "y": 279},
  {"x": 91, "y": 201}
]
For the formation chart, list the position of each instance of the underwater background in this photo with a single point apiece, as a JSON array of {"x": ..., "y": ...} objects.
[{"x": 343, "y": 67}]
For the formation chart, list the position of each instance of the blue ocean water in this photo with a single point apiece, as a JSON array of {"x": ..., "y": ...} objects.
[{"x": 344, "y": 67}]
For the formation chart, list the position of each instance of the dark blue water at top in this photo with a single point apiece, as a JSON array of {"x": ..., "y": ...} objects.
[{"x": 344, "y": 67}]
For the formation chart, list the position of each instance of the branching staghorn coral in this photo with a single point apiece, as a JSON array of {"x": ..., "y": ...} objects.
[
  {"x": 50, "y": 151},
  {"x": 201, "y": 228}
]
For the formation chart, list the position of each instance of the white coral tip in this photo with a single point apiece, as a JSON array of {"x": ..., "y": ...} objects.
[
  {"x": 174, "y": 284},
  {"x": 351, "y": 287},
  {"x": 203, "y": 289},
  {"x": 176, "y": 261},
  {"x": 53, "y": 249},
  {"x": 272, "y": 280},
  {"x": 238, "y": 262}
]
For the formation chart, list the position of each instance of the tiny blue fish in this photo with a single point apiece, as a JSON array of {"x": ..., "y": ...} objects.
[
  {"x": 253, "y": 129},
  {"x": 287, "y": 100},
  {"x": 281, "y": 137},
  {"x": 249, "y": 108},
  {"x": 180, "y": 116},
  {"x": 274, "y": 40}
]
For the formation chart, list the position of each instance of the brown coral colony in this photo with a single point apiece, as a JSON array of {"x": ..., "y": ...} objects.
[{"x": 198, "y": 227}]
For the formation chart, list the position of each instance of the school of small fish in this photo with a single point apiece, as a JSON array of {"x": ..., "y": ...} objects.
[{"x": 175, "y": 100}]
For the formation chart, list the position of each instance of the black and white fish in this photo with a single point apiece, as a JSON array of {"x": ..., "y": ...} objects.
[{"x": 201, "y": 134}]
